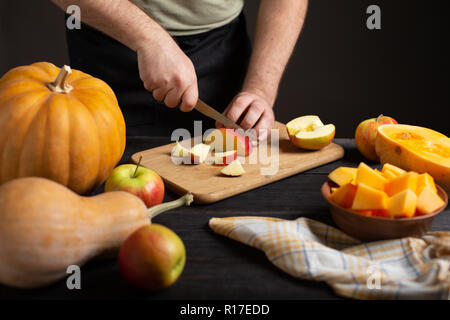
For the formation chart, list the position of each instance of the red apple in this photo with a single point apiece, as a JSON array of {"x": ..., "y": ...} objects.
[
  {"x": 366, "y": 133},
  {"x": 179, "y": 151},
  {"x": 234, "y": 169},
  {"x": 152, "y": 257},
  {"x": 199, "y": 153},
  {"x": 142, "y": 182},
  {"x": 224, "y": 158},
  {"x": 226, "y": 139}
]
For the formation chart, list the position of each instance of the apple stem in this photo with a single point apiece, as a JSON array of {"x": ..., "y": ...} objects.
[
  {"x": 160, "y": 208},
  {"x": 137, "y": 167}
]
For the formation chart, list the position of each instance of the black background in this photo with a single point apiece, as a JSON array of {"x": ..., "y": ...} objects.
[{"x": 340, "y": 70}]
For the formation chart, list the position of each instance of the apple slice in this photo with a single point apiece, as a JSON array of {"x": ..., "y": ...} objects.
[
  {"x": 308, "y": 132},
  {"x": 180, "y": 151},
  {"x": 225, "y": 139},
  {"x": 234, "y": 169},
  {"x": 224, "y": 158},
  {"x": 199, "y": 153}
]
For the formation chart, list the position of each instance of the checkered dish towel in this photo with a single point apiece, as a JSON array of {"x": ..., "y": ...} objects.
[{"x": 408, "y": 268}]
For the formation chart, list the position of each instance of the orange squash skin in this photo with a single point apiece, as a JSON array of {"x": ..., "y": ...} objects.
[
  {"x": 74, "y": 138},
  {"x": 399, "y": 154},
  {"x": 45, "y": 227}
]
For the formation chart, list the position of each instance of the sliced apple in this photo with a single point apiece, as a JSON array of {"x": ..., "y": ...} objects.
[
  {"x": 224, "y": 158},
  {"x": 308, "y": 132},
  {"x": 179, "y": 151},
  {"x": 234, "y": 169},
  {"x": 199, "y": 153},
  {"x": 225, "y": 139}
]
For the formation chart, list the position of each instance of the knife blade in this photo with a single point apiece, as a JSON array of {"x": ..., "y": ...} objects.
[{"x": 216, "y": 115}]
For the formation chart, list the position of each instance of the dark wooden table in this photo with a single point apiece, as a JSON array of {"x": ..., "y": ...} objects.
[{"x": 217, "y": 267}]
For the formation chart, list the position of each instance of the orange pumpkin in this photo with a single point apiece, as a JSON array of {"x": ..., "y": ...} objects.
[
  {"x": 62, "y": 125},
  {"x": 415, "y": 148}
]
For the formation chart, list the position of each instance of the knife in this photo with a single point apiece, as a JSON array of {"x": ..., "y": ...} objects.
[{"x": 214, "y": 114}]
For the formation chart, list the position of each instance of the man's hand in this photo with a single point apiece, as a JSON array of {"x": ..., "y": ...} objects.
[
  {"x": 277, "y": 29},
  {"x": 253, "y": 110},
  {"x": 169, "y": 74}
]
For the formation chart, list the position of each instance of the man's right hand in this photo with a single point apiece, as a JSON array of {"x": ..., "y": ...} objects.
[{"x": 169, "y": 74}]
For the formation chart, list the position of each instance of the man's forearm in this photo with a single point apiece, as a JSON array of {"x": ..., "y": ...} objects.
[
  {"x": 277, "y": 29},
  {"x": 120, "y": 19}
]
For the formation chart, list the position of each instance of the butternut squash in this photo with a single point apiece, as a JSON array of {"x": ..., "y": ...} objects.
[{"x": 45, "y": 227}]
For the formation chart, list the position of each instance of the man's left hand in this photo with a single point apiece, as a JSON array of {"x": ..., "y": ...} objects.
[{"x": 252, "y": 110}]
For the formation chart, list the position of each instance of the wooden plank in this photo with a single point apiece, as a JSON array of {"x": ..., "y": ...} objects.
[{"x": 208, "y": 185}]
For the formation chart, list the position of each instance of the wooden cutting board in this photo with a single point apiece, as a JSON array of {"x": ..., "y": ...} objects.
[{"x": 208, "y": 185}]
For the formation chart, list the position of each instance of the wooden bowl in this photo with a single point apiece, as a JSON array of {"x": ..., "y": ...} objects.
[{"x": 369, "y": 228}]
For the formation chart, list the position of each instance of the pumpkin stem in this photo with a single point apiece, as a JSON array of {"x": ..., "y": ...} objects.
[
  {"x": 160, "y": 208},
  {"x": 60, "y": 85},
  {"x": 137, "y": 167}
]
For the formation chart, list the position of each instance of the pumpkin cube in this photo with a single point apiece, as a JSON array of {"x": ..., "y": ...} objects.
[
  {"x": 429, "y": 201},
  {"x": 368, "y": 198},
  {"x": 370, "y": 177},
  {"x": 403, "y": 204},
  {"x": 343, "y": 175},
  {"x": 344, "y": 195},
  {"x": 401, "y": 183},
  {"x": 388, "y": 174},
  {"x": 394, "y": 169},
  {"x": 425, "y": 180}
]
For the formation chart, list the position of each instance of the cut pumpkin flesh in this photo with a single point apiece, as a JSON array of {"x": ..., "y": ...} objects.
[
  {"x": 401, "y": 183},
  {"x": 425, "y": 180},
  {"x": 368, "y": 198},
  {"x": 405, "y": 194},
  {"x": 370, "y": 177},
  {"x": 343, "y": 175},
  {"x": 403, "y": 204},
  {"x": 394, "y": 169},
  {"x": 429, "y": 201},
  {"x": 344, "y": 196},
  {"x": 388, "y": 174},
  {"x": 415, "y": 148}
]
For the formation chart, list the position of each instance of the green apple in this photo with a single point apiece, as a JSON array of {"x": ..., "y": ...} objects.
[
  {"x": 142, "y": 182},
  {"x": 152, "y": 257}
]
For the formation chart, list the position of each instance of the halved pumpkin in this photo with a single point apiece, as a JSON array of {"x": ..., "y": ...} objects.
[{"x": 415, "y": 148}]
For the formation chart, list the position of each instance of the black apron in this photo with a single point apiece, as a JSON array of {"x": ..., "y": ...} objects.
[{"x": 220, "y": 58}]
